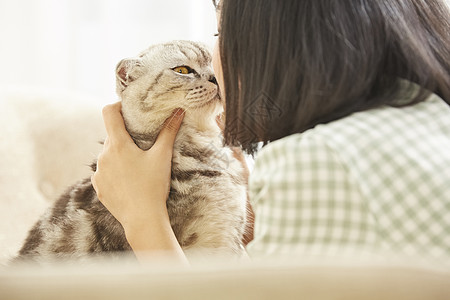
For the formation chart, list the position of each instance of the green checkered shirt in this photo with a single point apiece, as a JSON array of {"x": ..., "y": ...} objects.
[{"x": 376, "y": 180}]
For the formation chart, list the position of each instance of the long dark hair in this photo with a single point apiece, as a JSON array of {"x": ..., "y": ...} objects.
[{"x": 292, "y": 64}]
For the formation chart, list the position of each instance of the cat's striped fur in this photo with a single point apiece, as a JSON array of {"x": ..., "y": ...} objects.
[{"x": 207, "y": 200}]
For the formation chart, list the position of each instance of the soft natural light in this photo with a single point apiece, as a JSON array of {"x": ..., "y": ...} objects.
[{"x": 74, "y": 46}]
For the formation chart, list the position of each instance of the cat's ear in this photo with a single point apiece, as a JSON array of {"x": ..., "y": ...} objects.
[{"x": 128, "y": 70}]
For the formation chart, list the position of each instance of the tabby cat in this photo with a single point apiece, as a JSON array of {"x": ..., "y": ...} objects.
[{"x": 207, "y": 199}]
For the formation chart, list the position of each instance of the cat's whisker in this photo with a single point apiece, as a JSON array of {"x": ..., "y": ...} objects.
[
  {"x": 178, "y": 90},
  {"x": 173, "y": 116}
]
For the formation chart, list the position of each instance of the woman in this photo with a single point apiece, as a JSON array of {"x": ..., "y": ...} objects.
[{"x": 354, "y": 97}]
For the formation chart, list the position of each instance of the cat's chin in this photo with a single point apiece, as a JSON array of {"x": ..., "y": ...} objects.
[
  {"x": 210, "y": 103},
  {"x": 212, "y": 107}
]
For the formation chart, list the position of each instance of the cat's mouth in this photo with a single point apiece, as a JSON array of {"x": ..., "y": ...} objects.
[
  {"x": 209, "y": 102},
  {"x": 212, "y": 97},
  {"x": 215, "y": 98}
]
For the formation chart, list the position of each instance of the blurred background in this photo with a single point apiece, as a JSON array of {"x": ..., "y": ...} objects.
[
  {"x": 74, "y": 45},
  {"x": 57, "y": 69}
]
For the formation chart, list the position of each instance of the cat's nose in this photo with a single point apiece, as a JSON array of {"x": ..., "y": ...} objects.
[{"x": 213, "y": 80}]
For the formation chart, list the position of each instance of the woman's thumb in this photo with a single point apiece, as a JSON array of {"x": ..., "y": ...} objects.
[{"x": 168, "y": 133}]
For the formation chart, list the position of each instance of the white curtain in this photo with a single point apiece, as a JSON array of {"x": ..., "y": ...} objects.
[{"x": 74, "y": 45}]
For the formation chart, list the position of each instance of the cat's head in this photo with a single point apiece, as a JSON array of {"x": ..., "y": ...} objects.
[{"x": 165, "y": 77}]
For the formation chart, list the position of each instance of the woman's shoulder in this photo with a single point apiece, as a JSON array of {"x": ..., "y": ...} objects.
[
  {"x": 286, "y": 151},
  {"x": 374, "y": 148},
  {"x": 371, "y": 128},
  {"x": 299, "y": 161}
]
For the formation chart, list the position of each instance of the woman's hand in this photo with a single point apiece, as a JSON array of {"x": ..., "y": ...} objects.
[{"x": 134, "y": 184}]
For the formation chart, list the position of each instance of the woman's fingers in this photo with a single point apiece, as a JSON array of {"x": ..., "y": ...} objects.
[
  {"x": 168, "y": 133},
  {"x": 220, "y": 120},
  {"x": 114, "y": 124}
]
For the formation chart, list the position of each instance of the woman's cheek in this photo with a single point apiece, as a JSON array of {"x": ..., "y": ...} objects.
[{"x": 217, "y": 66}]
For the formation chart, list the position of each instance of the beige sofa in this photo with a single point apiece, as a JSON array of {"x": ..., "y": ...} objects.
[
  {"x": 249, "y": 281},
  {"x": 47, "y": 142}
]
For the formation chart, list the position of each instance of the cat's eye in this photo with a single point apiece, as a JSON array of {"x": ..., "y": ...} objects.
[{"x": 182, "y": 70}]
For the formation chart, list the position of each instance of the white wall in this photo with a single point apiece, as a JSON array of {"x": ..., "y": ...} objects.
[{"x": 75, "y": 44}]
